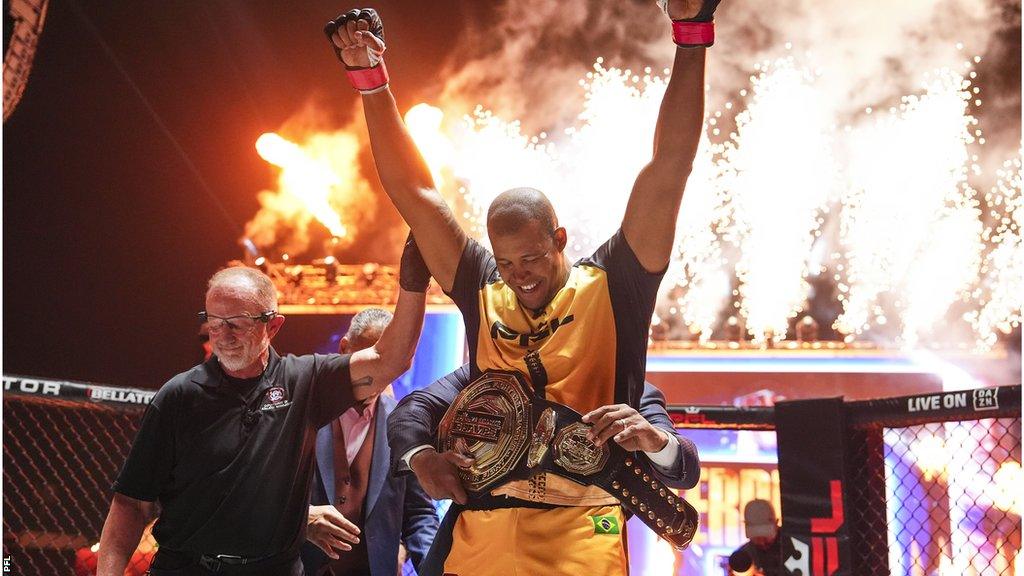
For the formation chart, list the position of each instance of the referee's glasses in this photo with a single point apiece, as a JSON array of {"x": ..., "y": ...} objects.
[{"x": 242, "y": 324}]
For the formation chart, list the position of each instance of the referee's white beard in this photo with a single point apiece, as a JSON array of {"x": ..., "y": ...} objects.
[
  {"x": 235, "y": 363},
  {"x": 241, "y": 358}
]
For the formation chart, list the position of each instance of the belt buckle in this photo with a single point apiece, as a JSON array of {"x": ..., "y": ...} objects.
[
  {"x": 211, "y": 563},
  {"x": 490, "y": 418},
  {"x": 217, "y": 562}
]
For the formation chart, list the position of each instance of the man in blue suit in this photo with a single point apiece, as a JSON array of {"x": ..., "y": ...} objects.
[{"x": 359, "y": 512}]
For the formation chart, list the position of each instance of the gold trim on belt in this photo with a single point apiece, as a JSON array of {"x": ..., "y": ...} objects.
[{"x": 489, "y": 421}]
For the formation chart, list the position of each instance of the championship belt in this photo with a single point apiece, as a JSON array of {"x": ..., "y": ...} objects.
[
  {"x": 489, "y": 419},
  {"x": 513, "y": 436}
]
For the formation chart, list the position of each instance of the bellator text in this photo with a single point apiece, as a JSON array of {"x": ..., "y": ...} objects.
[{"x": 64, "y": 389}]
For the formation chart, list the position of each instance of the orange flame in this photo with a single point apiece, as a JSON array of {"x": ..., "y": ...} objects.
[{"x": 303, "y": 177}]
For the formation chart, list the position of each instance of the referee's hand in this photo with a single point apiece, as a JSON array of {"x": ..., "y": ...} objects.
[{"x": 330, "y": 530}]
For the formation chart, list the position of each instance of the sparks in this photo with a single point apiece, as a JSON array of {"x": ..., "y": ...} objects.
[{"x": 783, "y": 188}]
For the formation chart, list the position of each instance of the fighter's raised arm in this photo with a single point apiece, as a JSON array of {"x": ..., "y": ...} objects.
[
  {"x": 650, "y": 221},
  {"x": 358, "y": 39}
]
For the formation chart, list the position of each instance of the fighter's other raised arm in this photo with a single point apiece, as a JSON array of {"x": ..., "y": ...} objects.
[
  {"x": 650, "y": 221},
  {"x": 358, "y": 39},
  {"x": 373, "y": 368}
]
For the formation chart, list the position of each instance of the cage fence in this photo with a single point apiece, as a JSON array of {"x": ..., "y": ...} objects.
[{"x": 938, "y": 495}]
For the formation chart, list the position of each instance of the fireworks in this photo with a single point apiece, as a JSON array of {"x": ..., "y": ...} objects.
[
  {"x": 1001, "y": 287},
  {"x": 910, "y": 226},
  {"x": 880, "y": 204},
  {"x": 779, "y": 174}
]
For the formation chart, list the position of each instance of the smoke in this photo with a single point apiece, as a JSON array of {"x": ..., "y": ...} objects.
[
  {"x": 871, "y": 51},
  {"x": 526, "y": 64},
  {"x": 523, "y": 60}
]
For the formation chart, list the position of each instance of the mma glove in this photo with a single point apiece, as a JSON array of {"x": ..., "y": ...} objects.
[{"x": 367, "y": 79}]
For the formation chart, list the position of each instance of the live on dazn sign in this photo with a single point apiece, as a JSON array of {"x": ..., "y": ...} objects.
[{"x": 979, "y": 399}]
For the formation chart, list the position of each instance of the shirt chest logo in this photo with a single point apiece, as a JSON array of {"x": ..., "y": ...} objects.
[
  {"x": 499, "y": 330},
  {"x": 275, "y": 397}
]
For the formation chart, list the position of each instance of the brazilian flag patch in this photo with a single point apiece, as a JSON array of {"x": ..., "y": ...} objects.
[{"x": 607, "y": 524}]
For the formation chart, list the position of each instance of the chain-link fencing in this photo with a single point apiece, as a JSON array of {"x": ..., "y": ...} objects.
[
  {"x": 932, "y": 482},
  {"x": 63, "y": 445},
  {"x": 927, "y": 491}
]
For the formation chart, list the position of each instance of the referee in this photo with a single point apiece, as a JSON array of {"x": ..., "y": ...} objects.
[{"x": 226, "y": 448}]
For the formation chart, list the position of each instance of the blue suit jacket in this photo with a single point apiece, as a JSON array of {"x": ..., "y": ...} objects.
[{"x": 396, "y": 507}]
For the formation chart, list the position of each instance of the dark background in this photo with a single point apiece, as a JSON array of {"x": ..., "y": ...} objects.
[
  {"x": 129, "y": 166},
  {"x": 112, "y": 223}
]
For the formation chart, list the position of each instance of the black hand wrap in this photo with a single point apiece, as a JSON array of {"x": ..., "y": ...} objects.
[
  {"x": 707, "y": 12},
  {"x": 414, "y": 275},
  {"x": 368, "y": 14}
]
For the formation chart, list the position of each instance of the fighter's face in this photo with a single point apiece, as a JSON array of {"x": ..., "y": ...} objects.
[
  {"x": 530, "y": 262},
  {"x": 239, "y": 349}
]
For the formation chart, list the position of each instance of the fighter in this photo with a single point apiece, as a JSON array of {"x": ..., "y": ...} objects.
[{"x": 577, "y": 331}]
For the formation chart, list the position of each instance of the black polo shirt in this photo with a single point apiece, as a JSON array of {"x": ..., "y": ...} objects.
[{"x": 231, "y": 460}]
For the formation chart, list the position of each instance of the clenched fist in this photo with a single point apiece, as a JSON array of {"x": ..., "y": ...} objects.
[
  {"x": 357, "y": 37},
  {"x": 688, "y": 9}
]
